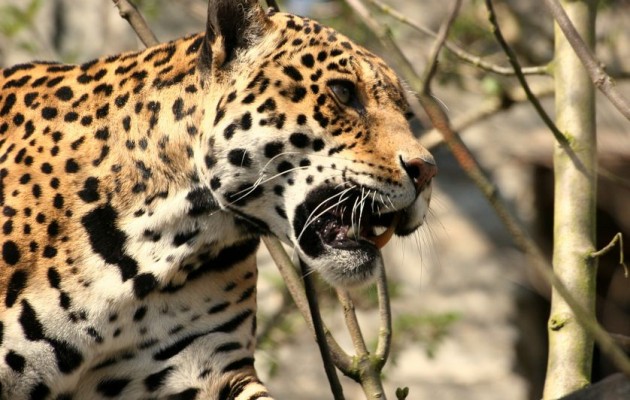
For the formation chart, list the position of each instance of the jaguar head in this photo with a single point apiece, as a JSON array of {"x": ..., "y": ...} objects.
[{"x": 308, "y": 139}]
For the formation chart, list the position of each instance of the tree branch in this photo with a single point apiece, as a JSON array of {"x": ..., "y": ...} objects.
[
  {"x": 462, "y": 54},
  {"x": 600, "y": 79},
  {"x": 320, "y": 335},
  {"x": 385, "y": 314},
  {"x": 618, "y": 238},
  {"x": 350, "y": 316},
  {"x": 570, "y": 355},
  {"x": 438, "y": 43},
  {"x": 129, "y": 12},
  {"x": 496, "y": 30},
  {"x": 368, "y": 370}
]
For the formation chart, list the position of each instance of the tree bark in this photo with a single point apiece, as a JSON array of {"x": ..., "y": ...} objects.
[{"x": 570, "y": 345}]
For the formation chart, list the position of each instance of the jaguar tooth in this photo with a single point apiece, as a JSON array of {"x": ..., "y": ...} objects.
[
  {"x": 379, "y": 230},
  {"x": 381, "y": 240}
]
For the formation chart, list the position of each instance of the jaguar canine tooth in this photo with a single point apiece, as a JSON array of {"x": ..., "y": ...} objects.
[
  {"x": 379, "y": 230},
  {"x": 381, "y": 240}
]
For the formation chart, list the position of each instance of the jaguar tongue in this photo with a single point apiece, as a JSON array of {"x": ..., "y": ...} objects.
[{"x": 381, "y": 240}]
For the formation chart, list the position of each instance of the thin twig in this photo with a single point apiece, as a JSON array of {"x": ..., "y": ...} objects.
[
  {"x": 385, "y": 314},
  {"x": 521, "y": 78},
  {"x": 129, "y": 12},
  {"x": 350, "y": 315},
  {"x": 458, "y": 51},
  {"x": 599, "y": 77},
  {"x": 437, "y": 45},
  {"x": 320, "y": 335},
  {"x": 470, "y": 165},
  {"x": 618, "y": 238}
]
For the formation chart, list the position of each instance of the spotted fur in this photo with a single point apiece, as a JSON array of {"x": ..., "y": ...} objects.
[{"x": 134, "y": 190}]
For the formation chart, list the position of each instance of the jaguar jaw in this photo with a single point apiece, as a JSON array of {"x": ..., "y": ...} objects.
[{"x": 339, "y": 237}]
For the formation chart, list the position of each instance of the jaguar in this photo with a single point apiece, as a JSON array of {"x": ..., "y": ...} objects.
[{"x": 135, "y": 189}]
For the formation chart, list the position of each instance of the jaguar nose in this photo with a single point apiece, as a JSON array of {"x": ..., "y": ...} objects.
[{"x": 420, "y": 170}]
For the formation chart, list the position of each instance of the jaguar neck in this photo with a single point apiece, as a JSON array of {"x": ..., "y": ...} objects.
[
  {"x": 154, "y": 181},
  {"x": 157, "y": 155}
]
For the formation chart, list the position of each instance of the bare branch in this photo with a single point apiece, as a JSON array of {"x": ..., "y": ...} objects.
[
  {"x": 350, "y": 315},
  {"x": 462, "y": 54},
  {"x": 431, "y": 67},
  {"x": 362, "y": 369},
  {"x": 320, "y": 335},
  {"x": 618, "y": 238},
  {"x": 369, "y": 367},
  {"x": 599, "y": 77},
  {"x": 520, "y": 236},
  {"x": 385, "y": 313},
  {"x": 129, "y": 12},
  {"x": 570, "y": 354},
  {"x": 521, "y": 78}
]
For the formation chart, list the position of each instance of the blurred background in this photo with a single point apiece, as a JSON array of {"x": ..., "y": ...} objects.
[{"x": 469, "y": 314}]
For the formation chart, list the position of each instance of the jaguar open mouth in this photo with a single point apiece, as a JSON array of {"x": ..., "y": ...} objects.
[
  {"x": 347, "y": 226},
  {"x": 343, "y": 220},
  {"x": 340, "y": 232}
]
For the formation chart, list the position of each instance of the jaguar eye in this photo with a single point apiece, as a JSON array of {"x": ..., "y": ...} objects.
[{"x": 344, "y": 91}]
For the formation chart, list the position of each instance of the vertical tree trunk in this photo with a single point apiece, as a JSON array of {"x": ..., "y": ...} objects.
[{"x": 570, "y": 346}]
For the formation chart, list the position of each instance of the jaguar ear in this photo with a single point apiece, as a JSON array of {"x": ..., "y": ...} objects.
[{"x": 232, "y": 25}]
